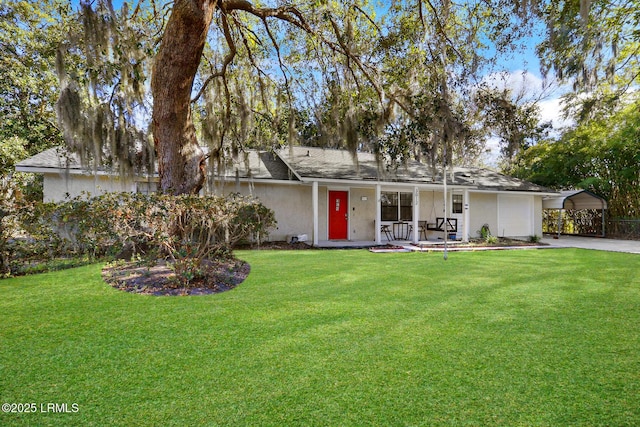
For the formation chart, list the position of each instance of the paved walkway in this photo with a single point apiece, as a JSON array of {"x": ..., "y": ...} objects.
[{"x": 598, "y": 243}]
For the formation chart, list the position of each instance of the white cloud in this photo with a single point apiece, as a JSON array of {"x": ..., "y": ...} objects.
[
  {"x": 522, "y": 84},
  {"x": 551, "y": 110}
]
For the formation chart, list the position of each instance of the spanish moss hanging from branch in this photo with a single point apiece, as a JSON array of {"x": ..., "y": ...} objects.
[{"x": 102, "y": 107}]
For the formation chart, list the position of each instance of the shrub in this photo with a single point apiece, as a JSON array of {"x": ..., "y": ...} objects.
[
  {"x": 492, "y": 240},
  {"x": 184, "y": 229},
  {"x": 484, "y": 232},
  {"x": 8, "y": 223},
  {"x": 77, "y": 227}
]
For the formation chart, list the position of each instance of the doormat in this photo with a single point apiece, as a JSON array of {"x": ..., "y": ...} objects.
[{"x": 388, "y": 249}]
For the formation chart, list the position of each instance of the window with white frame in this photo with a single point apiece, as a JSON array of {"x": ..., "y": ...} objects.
[
  {"x": 396, "y": 205},
  {"x": 456, "y": 203}
]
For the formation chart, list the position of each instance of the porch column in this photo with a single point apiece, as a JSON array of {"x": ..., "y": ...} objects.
[
  {"x": 314, "y": 197},
  {"x": 416, "y": 214},
  {"x": 378, "y": 221},
  {"x": 465, "y": 216}
]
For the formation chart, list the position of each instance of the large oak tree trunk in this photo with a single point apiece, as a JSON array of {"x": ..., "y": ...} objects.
[{"x": 181, "y": 161}]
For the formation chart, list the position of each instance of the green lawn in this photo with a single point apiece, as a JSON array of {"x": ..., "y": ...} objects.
[{"x": 533, "y": 338}]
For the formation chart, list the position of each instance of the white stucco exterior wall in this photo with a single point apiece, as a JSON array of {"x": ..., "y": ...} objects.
[
  {"x": 537, "y": 215},
  {"x": 483, "y": 210},
  {"x": 291, "y": 203},
  {"x": 431, "y": 205},
  {"x": 508, "y": 215},
  {"x": 518, "y": 215},
  {"x": 57, "y": 187},
  {"x": 362, "y": 213}
]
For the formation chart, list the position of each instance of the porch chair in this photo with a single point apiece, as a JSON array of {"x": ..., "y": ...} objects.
[{"x": 387, "y": 231}]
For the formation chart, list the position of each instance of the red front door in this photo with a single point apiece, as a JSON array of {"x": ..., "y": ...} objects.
[{"x": 338, "y": 215}]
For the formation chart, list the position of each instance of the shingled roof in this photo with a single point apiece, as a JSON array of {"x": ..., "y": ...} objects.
[
  {"x": 317, "y": 163},
  {"x": 53, "y": 158},
  {"x": 486, "y": 179},
  {"x": 311, "y": 163},
  {"x": 257, "y": 165}
]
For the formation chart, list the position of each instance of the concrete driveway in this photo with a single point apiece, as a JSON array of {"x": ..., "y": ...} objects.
[{"x": 630, "y": 246}]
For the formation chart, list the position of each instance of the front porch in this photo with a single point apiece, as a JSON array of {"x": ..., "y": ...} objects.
[{"x": 389, "y": 213}]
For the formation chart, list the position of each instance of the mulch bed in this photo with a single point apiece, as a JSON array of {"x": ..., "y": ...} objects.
[
  {"x": 160, "y": 279},
  {"x": 281, "y": 245}
]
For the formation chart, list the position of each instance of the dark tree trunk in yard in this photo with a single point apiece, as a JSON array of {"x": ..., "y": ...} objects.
[{"x": 180, "y": 158}]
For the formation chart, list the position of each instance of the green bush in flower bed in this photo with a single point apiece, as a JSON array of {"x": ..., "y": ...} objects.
[{"x": 43, "y": 266}]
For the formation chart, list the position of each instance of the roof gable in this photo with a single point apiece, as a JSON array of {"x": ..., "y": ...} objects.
[
  {"x": 256, "y": 165},
  {"x": 54, "y": 158}
]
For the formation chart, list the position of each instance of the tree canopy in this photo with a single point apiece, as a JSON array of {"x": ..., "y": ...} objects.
[
  {"x": 594, "y": 45},
  {"x": 153, "y": 80},
  {"x": 30, "y": 33},
  {"x": 601, "y": 155},
  {"x": 235, "y": 74}
]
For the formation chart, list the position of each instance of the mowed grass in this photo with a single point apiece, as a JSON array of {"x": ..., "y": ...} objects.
[{"x": 532, "y": 338}]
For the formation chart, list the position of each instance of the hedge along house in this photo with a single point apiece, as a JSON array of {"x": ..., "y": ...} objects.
[{"x": 332, "y": 195}]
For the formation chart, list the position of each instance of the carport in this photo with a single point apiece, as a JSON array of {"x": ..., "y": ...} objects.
[{"x": 574, "y": 201}]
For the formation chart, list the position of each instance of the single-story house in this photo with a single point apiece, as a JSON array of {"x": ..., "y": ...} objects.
[{"x": 332, "y": 195}]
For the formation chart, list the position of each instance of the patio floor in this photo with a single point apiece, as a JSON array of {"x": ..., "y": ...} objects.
[{"x": 367, "y": 244}]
